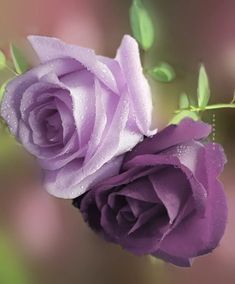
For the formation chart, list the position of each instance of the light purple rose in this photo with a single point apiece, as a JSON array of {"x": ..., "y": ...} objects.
[
  {"x": 167, "y": 200},
  {"x": 78, "y": 112}
]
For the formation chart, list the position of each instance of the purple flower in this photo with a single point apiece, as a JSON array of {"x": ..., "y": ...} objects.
[
  {"x": 78, "y": 112},
  {"x": 167, "y": 200}
]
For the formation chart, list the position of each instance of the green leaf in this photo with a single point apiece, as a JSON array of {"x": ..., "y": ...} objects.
[
  {"x": 141, "y": 24},
  {"x": 184, "y": 101},
  {"x": 203, "y": 91},
  {"x": 163, "y": 72},
  {"x": 12, "y": 269},
  {"x": 183, "y": 114},
  {"x": 2, "y": 60},
  {"x": 19, "y": 60}
]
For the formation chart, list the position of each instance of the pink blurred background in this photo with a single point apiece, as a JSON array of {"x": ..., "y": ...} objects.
[{"x": 48, "y": 234}]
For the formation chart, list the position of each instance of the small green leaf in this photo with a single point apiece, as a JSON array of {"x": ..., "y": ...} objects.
[
  {"x": 163, "y": 72},
  {"x": 183, "y": 114},
  {"x": 2, "y": 60},
  {"x": 184, "y": 101},
  {"x": 203, "y": 91},
  {"x": 19, "y": 60},
  {"x": 141, "y": 24}
]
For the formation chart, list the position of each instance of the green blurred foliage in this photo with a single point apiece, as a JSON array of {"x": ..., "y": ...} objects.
[
  {"x": 2, "y": 60},
  {"x": 141, "y": 24},
  {"x": 20, "y": 63},
  {"x": 12, "y": 269}
]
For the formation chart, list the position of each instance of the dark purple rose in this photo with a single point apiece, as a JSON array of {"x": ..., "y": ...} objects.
[{"x": 167, "y": 200}]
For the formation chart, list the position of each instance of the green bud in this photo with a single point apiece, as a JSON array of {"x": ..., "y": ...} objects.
[
  {"x": 163, "y": 72},
  {"x": 184, "y": 101},
  {"x": 203, "y": 91}
]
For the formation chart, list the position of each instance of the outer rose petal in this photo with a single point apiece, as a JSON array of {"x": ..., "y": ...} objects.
[
  {"x": 140, "y": 95},
  {"x": 48, "y": 48},
  {"x": 196, "y": 235},
  {"x": 179, "y": 261},
  {"x": 10, "y": 106},
  {"x": 170, "y": 136},
  {"x": 214, "y": 160},
  {"x": 69, "y": 177},
  {"x": 199, "y": 193}
]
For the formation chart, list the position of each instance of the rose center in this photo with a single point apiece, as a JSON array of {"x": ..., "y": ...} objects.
[{"x": 53, "y": 126}]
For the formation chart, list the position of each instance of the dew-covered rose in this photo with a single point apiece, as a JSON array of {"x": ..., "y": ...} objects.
[
  {"x": 78, "y": 112},
  {"x": 167, "y": 200}
]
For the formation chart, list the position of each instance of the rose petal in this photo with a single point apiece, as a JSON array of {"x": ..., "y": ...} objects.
[
  {"x": 67, "y": 120},
  {"x": 137, "y": 206},
  {"x": 48, "y": 48},
  {"x": 146, "y": 217},
  {"x": 81, "y": 89},
  {"x": 115, "y": 68},
  {"x": 179, "y": 261},
  {"x": 172, "y": 135},
  {"x": 58, "y": 182},
  {"x": 140, "y": 189},
  {"x": 63, "y": 156},
  {"x": 146, "y": 239},
  {"x": 173, "y": 188},
  {"x": 200, "y": 235},
  {"x": 109, "y": 224},
  {"x": 101, "y": 119},
  {"x": 109, "y": 146},
  {"x": 199, "y": 192},
  {"x": 10, "y": 109},
  {"x": 124, "y": 218},
  {"x": 140, "y": 95},
  {"x": 215, "y": 160}
]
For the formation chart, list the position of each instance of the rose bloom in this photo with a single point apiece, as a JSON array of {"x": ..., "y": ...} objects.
[
  {"x": 78, "y": 112},
  {"x": 167, "y": 200}
]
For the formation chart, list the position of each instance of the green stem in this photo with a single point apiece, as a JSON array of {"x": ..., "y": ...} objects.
[{"x": 210, "y": 107}]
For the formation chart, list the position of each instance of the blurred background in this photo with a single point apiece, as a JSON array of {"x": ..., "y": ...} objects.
[{"x": 43, "y": 239}]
